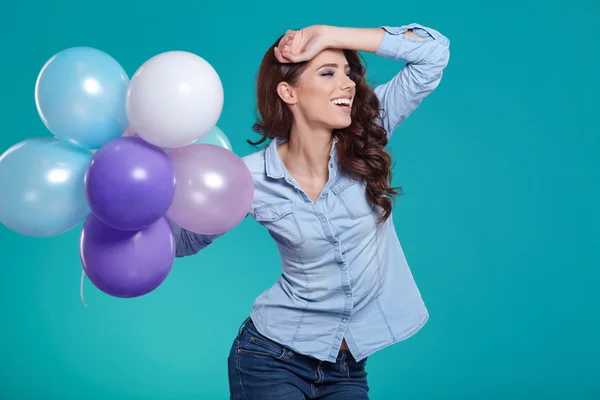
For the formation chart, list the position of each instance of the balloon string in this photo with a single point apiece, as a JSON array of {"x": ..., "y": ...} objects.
[{"x": 81, "y": 287}]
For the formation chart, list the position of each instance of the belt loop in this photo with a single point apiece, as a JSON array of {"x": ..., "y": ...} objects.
[
  {"x": 343, "y": 363},
  {"x": 243, "y": 326}
]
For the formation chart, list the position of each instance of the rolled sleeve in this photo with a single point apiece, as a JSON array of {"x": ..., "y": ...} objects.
[
  {"x": 189, "y": 243},
  {"x": 426, "y": 58}
]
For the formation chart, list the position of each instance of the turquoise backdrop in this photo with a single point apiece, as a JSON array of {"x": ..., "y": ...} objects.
[{"x": 500, "y": 221}]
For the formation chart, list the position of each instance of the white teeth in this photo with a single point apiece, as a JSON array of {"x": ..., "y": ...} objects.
[{"x": 341, "y": 101}]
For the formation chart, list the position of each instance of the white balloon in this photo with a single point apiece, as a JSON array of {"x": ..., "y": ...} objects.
[{"x": 174, "y": 99}]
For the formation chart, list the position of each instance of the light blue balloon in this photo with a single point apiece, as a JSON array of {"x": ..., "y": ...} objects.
[
  {"x": 80, "y": 96},
  {"x": 216, "y": 137},
  {"x": 42, "y": 187}
]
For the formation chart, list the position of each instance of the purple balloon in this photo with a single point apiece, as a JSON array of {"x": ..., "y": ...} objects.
[
  {"x": 126, "y": 263},
  {"x": 129, "y": 183},
  {"x": 214, "y": 189}
]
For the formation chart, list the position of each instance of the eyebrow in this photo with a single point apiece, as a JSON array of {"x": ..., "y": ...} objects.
[{"x": 332, "y": 66}]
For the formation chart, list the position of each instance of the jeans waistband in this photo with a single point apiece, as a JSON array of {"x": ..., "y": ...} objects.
[{"x": 246, "y": 324}]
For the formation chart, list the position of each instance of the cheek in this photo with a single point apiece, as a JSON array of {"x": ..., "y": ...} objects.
[{"x": 316, "y": 102}]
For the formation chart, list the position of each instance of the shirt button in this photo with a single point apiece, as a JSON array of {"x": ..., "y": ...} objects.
[
  {"x": 344, "y": 268},
  {"x": 336, "y": 244},
  {"x": 345, "y": 320},
  {"x": 324, "y": 219},
  {"x": 330, "y": 165},
  {"x": 348, "y": 294}
]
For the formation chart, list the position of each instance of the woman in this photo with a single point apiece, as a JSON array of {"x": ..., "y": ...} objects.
[{"x": 322, "y": 189}]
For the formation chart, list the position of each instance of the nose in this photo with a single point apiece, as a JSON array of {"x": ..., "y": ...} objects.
[{"x": 347, "y": 83}]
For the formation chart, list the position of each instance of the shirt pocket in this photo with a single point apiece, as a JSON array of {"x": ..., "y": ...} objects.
[
  {"x": 281, "y": 221},
  {"x": 353, "y": 196}
]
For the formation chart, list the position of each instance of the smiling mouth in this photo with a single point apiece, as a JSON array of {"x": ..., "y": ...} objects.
[{"x": 343, "y": 104}]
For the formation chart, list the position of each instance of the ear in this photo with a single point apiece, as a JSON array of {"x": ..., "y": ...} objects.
[{"x": 287, "y": 93}]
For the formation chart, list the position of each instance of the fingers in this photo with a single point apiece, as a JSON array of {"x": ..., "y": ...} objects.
[
  {"x": 282, "y": 57},
  {"x": 279, "y": 56},
  {"x": 287, "y": 44},
  {"x": 287, "y": 38},
  {"x": 294, "y": 58},
  {"x": 283, "y": 51}
]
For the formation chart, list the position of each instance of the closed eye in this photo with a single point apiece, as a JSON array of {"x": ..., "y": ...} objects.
[{"x": 331, "y": 73}]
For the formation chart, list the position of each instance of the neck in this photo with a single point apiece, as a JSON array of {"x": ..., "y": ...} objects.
[{"x": 308, "y": 150}]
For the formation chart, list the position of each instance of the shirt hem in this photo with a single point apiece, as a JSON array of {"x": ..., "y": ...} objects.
[
  {"x": 416, "y": 328},
  {"x": 399, "y": 339}
]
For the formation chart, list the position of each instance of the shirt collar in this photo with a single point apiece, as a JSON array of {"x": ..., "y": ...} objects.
[{"x": 274, "y": 166}]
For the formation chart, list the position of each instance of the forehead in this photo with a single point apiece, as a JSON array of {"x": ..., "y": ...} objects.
[{"x": 329, "y": 56}]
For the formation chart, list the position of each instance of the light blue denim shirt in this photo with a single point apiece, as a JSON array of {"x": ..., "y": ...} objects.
[{"x": 343, "y": 274}]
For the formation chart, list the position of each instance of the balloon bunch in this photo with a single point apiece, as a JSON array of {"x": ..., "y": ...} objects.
[{"x": 128, "y": 158}]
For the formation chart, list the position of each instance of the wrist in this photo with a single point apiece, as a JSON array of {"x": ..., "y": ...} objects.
[{"x": 333, "y": 36}]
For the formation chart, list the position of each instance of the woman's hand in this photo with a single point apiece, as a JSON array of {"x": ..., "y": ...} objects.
[{"x": 302, "y": 45}]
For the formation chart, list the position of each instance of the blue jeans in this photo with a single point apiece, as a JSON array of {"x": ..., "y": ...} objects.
[{"x": 262, "y": 369}]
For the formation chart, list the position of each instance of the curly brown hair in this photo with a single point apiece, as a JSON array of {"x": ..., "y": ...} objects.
[{"x": 361, "y": 147}]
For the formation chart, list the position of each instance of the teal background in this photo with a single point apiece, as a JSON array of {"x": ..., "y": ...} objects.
[{"x": 500, "y": 220}]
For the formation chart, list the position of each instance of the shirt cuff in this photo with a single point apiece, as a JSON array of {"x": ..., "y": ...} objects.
[{"x": 390, "y": 45}]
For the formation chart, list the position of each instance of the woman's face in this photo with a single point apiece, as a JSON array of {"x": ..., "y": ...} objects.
[{"x": 323, "y": 98}]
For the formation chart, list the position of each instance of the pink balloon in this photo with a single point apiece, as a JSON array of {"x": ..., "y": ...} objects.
[
  {"x": 129, "y": 132},
  {"x": 214, "y": 189}
]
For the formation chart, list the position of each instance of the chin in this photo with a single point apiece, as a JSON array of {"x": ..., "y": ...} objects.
[{"x": 341, "y": 123}]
